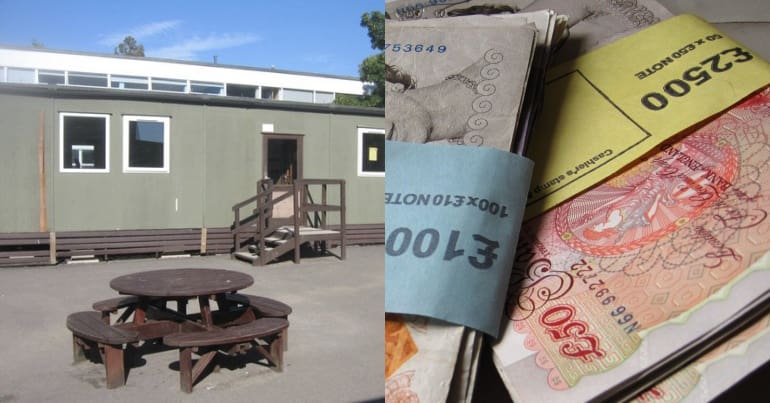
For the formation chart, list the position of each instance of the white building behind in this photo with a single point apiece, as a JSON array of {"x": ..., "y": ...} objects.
[{"x": 51, "y": 67}]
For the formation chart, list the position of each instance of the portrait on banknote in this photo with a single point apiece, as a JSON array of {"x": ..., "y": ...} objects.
[{"x": 445, "y": 110}]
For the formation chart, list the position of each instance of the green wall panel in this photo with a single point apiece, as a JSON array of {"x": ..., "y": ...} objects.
[
  {"x": 215, "y": 162},
  {"x": 19, "y": 170},
  {"x": 132, "y": 200}
]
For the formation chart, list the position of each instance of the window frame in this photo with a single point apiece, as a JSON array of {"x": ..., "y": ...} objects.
[
  {"x": 166, "y": 121},
  {"x": 106, "y": 118},
  {"x": 231, "y": 88},
  {"x": 220, "y": 88},
  {"x": 360, "y": 152},
  {"x": 119, "y": 82},
  {"x": 52, "y": 73},
  {"x": 274, "y": 91},
  {"x": 29, "y": 75},
  {"x": 88, "y": 76},
  {"x": 297, "y": 95},
  {"x": 156, "y": 81}
]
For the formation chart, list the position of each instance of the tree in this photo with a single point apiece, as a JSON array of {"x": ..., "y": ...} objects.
[
  {"x": 129, "y": 47},
  {"x": 37, "y": 44},
  {"x": 375, "y": 23},
  {"x": 371, "y": 69}
]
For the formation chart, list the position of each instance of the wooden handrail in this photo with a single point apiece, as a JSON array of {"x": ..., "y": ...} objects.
[
  {"x": 319, "y": 211},
  {"x": 322, "y": 181},
  {"x": 246, "y": 202},
  {"x": 303, "y": 206},
  {"x": 322, "y": 208}
]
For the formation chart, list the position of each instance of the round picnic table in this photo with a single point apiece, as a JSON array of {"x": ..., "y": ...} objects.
[
  {"x": 181, "y": 282},
  {"x": 180, "y": 285},
  {"x": 234, "y": 328}
]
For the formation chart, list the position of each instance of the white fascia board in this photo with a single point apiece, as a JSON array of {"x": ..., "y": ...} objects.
[{"x": 159, "y": 69}]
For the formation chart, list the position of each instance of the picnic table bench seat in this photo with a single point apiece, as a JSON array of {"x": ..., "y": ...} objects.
[
  {"x": 111, "y": 305},
  {"x": 229, "y": 340},
  {"x": 266, "y": 307},
  {"x": 89, "y": 329},
  {"x": 108, "y": 306}
]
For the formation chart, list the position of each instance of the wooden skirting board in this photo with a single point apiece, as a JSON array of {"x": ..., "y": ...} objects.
[{"x": 39, "y": 248}]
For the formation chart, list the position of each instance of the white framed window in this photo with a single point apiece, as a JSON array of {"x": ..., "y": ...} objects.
[
  {"x": 241, "y": 90},
  {"x": 199, "y": 87},
  {"x": 269, "y": 93},
  {"x": 290, "y": 94},
  {"x": 20, "y": 75},
  {"x": 129, "y": 82},
  {"x": 169, "y": 85},
  {"x": 84, "y": 142},
  {"x": 54, "y": 77},
  {"x": 371, "y": 152},
  {"x": 146, "y": 144},
  {"x": 87, "y": 79}
]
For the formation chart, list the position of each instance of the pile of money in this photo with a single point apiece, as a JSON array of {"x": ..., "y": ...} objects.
[
  {"x": 654, "y": 283},
  {"x": 462, "y": 81},
  {"x": 618, "y": 284}
]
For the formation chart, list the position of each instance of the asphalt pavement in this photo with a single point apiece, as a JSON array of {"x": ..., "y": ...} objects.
[{"x": 335, "y": 336}]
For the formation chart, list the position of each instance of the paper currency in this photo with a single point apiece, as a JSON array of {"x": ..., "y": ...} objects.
[
  {"x": 464, "y": 84},
  {"x": 713, "y": 373},
  {"x": 595, "y": 23},
  {"x": 455, "y": 82},
  {"x": 633, "y": 270},
  {"x": 445, "y": 369},
  {"x": 607, "y": 108},
  {"x": 445, "y": 250},
  {"x": 592, "y": 23},
  {"x": 444, "y": 260},
  {"x": 417, "y": 9},
  {"x": 550, "y": 30}
]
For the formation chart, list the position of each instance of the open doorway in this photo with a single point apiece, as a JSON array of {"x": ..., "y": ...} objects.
[{"x": 282, "y": 156}]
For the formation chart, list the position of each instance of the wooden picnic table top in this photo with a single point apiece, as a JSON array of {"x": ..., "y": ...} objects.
[{"x": 189, "y": 282}]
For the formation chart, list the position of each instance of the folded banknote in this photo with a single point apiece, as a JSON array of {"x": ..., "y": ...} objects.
[
  {"x": 635, "y": 269},
  {"x": 721, "y": 367},
  {"x": 456, "y": 81}
]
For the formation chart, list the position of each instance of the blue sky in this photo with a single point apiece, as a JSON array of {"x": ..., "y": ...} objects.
[{"x": 309, "y": 36}]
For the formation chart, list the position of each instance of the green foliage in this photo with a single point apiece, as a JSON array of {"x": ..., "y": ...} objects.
[
  {"x": 371, "y": 101},
  {"x": 374, "y": 22},
  {"x": 129, "y": 47},
  {"x": 371, "y": 69}
]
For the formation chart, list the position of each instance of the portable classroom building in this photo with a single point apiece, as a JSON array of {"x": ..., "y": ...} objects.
[{"x": 80, "y": 160}]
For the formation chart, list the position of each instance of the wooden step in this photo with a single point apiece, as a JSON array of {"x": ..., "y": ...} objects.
[
  {"x": 271, "y": 240},
  {"x": 247, "y": 256},
  {"x": 253, "y": 248}
]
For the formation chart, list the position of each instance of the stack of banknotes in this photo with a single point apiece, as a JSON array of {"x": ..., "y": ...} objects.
[
  {"x": 651, "y": 280},
  {"x": 462, "y": 81}
]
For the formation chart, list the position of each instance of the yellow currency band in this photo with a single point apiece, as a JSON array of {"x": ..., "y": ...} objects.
[{"x": 609, "y": 107}]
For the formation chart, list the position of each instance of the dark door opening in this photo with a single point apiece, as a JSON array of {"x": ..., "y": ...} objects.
[{"x": 283, "y": 158}]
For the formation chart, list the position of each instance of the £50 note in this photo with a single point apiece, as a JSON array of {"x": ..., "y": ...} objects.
[{"x": 626, "y": 274}]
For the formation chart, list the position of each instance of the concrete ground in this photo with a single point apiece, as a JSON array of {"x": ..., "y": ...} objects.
[{"x": 335, "y": 335}]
